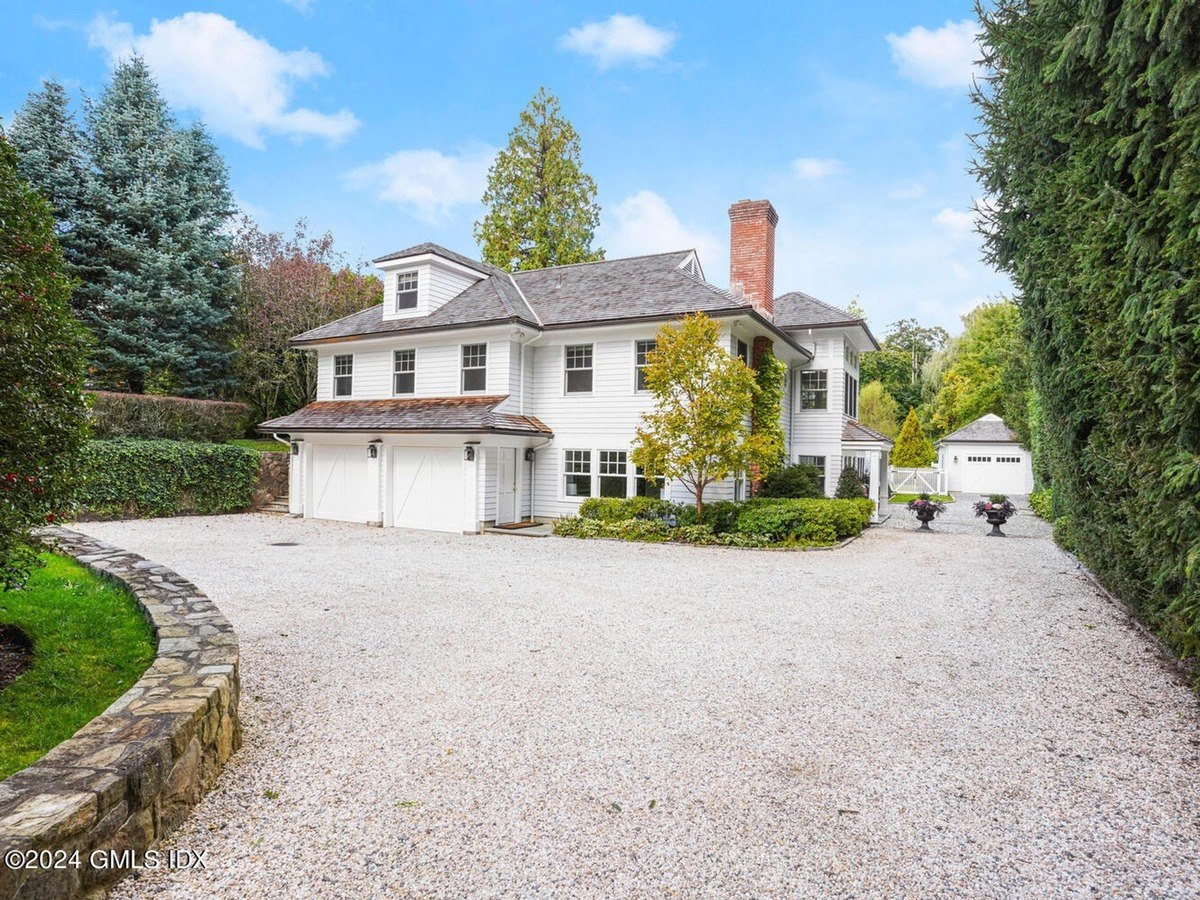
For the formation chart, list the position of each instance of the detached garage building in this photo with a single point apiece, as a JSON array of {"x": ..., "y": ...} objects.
[{"x": 985, "y": 458}]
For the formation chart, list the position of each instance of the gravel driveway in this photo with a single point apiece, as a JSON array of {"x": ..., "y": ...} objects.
[{"x": 913, "y": 715}]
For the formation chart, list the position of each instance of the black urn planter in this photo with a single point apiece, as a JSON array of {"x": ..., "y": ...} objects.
[
  {"x": 925, "y": 516},
  {"x": 996, "y": 518}
]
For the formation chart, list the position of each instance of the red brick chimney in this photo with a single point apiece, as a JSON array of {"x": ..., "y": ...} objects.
[{"x": 752, "y": 253}]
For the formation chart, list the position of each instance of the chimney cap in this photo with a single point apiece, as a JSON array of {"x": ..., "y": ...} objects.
[{"x": 751, "y": 210}]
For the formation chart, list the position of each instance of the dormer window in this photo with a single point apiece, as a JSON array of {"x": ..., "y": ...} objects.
[{"x": 406, "y": 290}]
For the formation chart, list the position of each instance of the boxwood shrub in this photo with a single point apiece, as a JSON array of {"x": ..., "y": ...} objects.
[
  {"x": 150, "y": 417},
  {"x": 804, "y": 521},
  {"x": 617, "y": 509},
  {"x": 126, "y": 477}
]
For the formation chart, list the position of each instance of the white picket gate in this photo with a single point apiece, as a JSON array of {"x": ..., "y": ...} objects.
[{"x": 917, "y": 481}]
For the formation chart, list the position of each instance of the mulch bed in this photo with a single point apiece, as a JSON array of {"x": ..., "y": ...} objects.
[{"x": 16, "y": 654}]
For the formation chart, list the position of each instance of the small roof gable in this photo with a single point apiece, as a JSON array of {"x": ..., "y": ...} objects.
[
  {"x": 439, "y": 250},
  {"x": 797, "y": 309},
  {"x": 989, "y": 429},
  {"x": 854, "y": 432}
]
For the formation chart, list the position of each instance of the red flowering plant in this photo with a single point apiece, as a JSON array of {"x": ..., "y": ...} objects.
[
  {"x": 996, "y": 505},
  {"x": 923, "y": 503}
]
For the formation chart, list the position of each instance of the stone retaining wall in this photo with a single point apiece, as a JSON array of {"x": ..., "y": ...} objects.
[
  {"x": 272, "y": 478},
  {"x": 132, "y": 774}
]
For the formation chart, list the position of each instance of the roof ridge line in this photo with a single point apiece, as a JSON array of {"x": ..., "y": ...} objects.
[{"x": 596, "y": 262}]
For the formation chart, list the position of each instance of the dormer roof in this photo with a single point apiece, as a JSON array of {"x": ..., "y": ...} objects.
[{"x": 428, "y": 247}]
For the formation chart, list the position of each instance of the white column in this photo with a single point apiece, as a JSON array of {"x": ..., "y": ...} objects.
[
  {"x": 874, "y": 461},
  {"x": 470, "y": 499}
]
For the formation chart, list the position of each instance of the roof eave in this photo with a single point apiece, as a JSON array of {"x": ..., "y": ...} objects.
[{"x": 434, "y": 329}]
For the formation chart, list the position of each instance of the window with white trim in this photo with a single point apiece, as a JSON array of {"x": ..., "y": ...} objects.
[
  {"x": 343, "y": 375},
  {"x": 577, "y": 473},
  {"x": 817, "y": 462},
  {"x": 577, "y": 360},
  {"x": 648, "y": 487},
  {"x": 814, "y": 389},
  {"x": 474, "y": 368},
  {"x": 614, "y": 473},
  {"x": 406, "y": 290},
  {"x": 404, "y": 372},
  {"x": 850, "y": 399},
  {"x": 641, "y": 349}
]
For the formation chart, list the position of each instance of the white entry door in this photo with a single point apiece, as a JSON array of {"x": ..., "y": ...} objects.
[
  {"x": 427, "y": 488},
  {"x": 339, "y": 482},
  {"x": 506, "y": 486}
]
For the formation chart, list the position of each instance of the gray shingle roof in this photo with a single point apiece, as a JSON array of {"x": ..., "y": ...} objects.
[
  {"x": 439, "y": 250},
  {"x": 853, "y": 431},
  {"x": 425, "y": 414},
  {"x": 797, "y": 309},
  {"x": 988, "y": 429},
  {"x": 610, "y": 290}
]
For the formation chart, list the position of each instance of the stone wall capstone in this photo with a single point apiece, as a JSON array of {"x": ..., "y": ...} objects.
[{"x": 133, "y": 773}]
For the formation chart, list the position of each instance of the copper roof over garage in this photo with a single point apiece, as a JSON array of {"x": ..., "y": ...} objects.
[{"x": 426, "y": 414}]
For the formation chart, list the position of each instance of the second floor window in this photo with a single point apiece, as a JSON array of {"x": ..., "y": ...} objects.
[
  {"x": 343, "y": 375},
  {"x": 814, "y": 389},
  {"x": 474, "y": 367},
  {"x": 404, "y": 369},
  {"x": 406, "y": 290},
  {"x": 579, "y": 369},
  {"x": 640, "y": 351},
  {"x": 850, "y": 401},
  {"x": 743, "y": 352}
]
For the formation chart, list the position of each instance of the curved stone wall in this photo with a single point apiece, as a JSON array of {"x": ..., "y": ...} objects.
[{"x": 130, "y": 775}]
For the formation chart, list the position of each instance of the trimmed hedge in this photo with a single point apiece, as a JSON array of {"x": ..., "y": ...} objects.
[
  {"x": 756, "y": 523},
  {"x": 795, "y": 481},
  {"x": 150, "y": 417},
  {"x": 125, "y": 477}
]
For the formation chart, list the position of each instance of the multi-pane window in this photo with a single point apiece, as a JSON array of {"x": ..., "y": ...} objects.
[
  {"x": 404, "y": 372},
  {"x": 577, "y": 473},
  {"x": 817, "y": 462},
  {"x": 850, "y": 400},
  {"x": 814, "y": 389},
  {"x": 474, "y": 367},
  {"x": 343, "y": 375},
  {"x": 648, "y": 487},
  {"x": 579, "y": 369},
  {"x": 1008, "y": 459},
  {"x": 613, "y": 471},
  {"x": 979, "y": 459},
  {"x": 640, "y": 351},
  {"x": 406, "y": 290},
  {"x": 743, "y": 352}
]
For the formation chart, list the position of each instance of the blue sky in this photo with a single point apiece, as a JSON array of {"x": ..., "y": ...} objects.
[{"x": 378, "y": 120}]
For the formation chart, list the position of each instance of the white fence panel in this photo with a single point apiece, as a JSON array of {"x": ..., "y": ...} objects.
[{"x": 917, "y": 481}]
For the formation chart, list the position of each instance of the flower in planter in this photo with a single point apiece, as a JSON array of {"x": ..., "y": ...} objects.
[
  {"x": 996, "y": 505},
  {"x": 923, "y": 503}
]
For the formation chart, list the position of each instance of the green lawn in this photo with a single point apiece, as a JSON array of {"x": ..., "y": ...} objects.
[
  {"x": 90, "y": 644},
  {"x": 904, "y": 498},
  {"x": 261, "y": 446}
]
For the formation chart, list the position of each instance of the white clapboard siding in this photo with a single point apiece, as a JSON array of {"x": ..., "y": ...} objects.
[
  {"x": 818, "y": 432},
  {"x": 439, "y": 372}
]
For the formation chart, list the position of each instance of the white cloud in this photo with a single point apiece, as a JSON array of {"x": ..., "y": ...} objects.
[
  {"x": 301, "y": 6},
  {"x": 645, "y": 223},
  {"x": 619, "y": 39},
  {"x": 942, "y": 58},
  {"x": 240, "y": 84},
  {"x": 809, "y": 168},
  {"x": 955, "y": 220},
  {"x": 427, "y": 183}
]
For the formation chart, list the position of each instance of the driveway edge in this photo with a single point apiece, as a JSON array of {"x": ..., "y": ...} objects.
[{"x": 133, "y": 773}]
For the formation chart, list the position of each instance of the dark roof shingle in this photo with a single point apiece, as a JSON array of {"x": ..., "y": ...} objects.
[
  {"x": 854, "y": 431},
  {"x": 987, "y": 429},
  {"x": 439, "y": 250},
  {"x": 441, "y": 414}
]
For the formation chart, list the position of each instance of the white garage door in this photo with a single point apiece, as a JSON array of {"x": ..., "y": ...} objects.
[
  {"x": 340, "y": 488},
  {"x": 427, "y": 488},
  {"x": 995, "y": 473}
]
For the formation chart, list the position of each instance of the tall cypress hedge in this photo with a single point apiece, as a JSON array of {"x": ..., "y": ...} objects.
[{"x": 1091, "y": 160}]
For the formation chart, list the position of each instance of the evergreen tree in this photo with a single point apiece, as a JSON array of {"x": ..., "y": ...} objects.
[
  {"x": 913, "y": 448},
  {"x": 51, "y": 157},
  {"x": 159, "y": 285},
  {"x": 541, "y": 205},
  {"x": 850, "y": 485},
  {"x": 41, "y": 372}
]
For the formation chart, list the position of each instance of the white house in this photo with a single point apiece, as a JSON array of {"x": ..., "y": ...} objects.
[
  {"x": 473, "y": 396},
  {"x": 985, "y": 458}
]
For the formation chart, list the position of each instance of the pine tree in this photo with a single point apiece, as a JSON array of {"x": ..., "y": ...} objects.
[
  {"x": 541, "y": 205},
  {"x": 51, "y": 157},
  {"x": 913, "y": 448},
  {"x": 159, "y": 286}
]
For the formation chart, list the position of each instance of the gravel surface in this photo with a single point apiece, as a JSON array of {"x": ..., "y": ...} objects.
[{"x": 912, "y": 715}]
